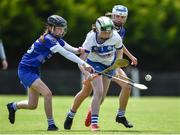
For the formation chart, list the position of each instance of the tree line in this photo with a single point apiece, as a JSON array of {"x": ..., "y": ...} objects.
[{"x": 152, "y": 28}]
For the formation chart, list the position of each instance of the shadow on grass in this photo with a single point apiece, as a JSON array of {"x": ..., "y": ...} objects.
[
  {"x": 111, "y": 132},
  {"x": 87, "y": 131}
]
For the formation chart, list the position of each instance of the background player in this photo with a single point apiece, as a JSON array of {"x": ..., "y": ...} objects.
[{"x": 3, "y": 56}]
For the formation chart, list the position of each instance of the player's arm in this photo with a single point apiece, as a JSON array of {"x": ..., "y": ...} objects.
[
  {"x": 2, "y": 52},
  {"x": 71, "y": 56},
  {"x": 86, "y": 74},
  {"x": 75, "y": 50},
  {"x": 3, "y": 56},
  {"x": 131, "y": 57}
]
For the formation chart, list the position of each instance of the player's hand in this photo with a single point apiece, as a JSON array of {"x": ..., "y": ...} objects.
[
  {"x": 88, "y": 68},
  {"x": 4, "y": 64},
  {"x": 89, "y": 77},
  {"x": 80, "y": 50},
  {"x": 134, "y": 61}
]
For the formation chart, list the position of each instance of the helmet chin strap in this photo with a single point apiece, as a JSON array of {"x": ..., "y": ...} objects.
[{"x": 52, "y": 29}]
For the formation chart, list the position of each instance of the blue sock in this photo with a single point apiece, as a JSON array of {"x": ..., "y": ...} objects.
[
  {"x": 71, "y": 114},
  {"x": 121, "y": 113},
  {"x": 94, "y": 119},
  {"x": 50, "y": 122}
]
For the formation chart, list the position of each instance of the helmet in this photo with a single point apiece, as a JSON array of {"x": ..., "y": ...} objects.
[
  {"x": 56, "y": 20},
  {"x": 120, "y": 10},
  {"x": 104, "y": 23}
]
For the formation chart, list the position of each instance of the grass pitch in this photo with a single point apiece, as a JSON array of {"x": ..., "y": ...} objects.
[{"x": 150, "y": 115}]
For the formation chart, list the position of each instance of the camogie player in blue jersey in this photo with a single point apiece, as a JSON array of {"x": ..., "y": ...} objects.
[
  {"x": 102, "y": 46},
  {"x": 119, "y": 17},
  {"x": 29, "y": 68}
]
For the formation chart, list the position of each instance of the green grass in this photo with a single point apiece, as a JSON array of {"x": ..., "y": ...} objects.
[{"x": 150, "y": 115}]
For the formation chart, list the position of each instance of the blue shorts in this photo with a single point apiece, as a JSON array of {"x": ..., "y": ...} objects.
[
  {"x": 100, "y": 67},
  {"x": 28, "y": 75}
]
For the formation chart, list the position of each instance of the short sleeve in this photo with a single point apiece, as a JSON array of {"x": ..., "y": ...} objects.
[
  {"x": 119, "y": 44},
  {"x": 88, "y": 42},
  {"x": 49, "y": 41}
]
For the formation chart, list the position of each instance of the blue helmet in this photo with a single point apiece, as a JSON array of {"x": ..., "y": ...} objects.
[{"x": 56, "y": 20}]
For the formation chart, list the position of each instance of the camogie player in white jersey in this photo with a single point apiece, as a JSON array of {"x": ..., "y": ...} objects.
[
  {"x": 102, "y": 46},
  {"x": 119, "y": 16}
]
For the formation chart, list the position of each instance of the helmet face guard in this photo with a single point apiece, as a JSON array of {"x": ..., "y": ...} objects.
[
  {"x": 57, "y": 21},
  {"x": 104, "y": 26},
  {"x": 119, "y": 10}
]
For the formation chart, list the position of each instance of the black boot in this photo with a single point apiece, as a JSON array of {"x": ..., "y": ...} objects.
[
  {"x": 124, "y": 121},
  {"x": 12, "y": 112},
  {"x": 68, "y": 123},
  {"x": 52, "y": 128}
]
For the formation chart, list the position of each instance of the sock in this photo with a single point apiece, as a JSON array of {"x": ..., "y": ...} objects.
[
  {"x": 14, "y": 105},
  {"x": 71, "y": 114},
  {"x": 121, "y": 113},
  {"x": 94, "y": 119},
  {"x": 50, "y": 122}
]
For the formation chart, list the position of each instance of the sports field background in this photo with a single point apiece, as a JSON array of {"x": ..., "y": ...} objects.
[{"x": 150, "y": 115}]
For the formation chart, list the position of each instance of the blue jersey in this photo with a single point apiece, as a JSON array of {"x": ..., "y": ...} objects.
[
  {"x": 40, "y": 51},
  {"x": 122, "y": 32}
]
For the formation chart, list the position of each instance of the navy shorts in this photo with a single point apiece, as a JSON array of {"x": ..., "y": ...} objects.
[
  {"x": 100, "y": 67},
  {"x": 28, "y": 75}
]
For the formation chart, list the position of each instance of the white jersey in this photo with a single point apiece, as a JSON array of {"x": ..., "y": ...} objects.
[{"x": 104, "y": 53}]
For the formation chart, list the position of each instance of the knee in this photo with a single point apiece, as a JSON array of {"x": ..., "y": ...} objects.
[
  {"x": 86, "y": 91},
  {"x": 126, "y": 87},
  {"x": 48, "y": 95},
  {"x": 99, "y": 94},
  {"x": 85, "y": 94},
  {"x": 32, "y": 106}
]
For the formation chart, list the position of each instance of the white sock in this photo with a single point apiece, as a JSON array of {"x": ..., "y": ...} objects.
[{"x": 121, "y": 113}]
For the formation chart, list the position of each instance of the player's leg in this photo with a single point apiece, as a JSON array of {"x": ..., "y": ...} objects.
[
  {"x": 123, "y": 101},
  {"x": 98, "y": 94},
  {"x": 106, "y": 84},
  {"x": 31, "y": 103},
  {"x": 39, "y": 86},
  {"x": 79, "y": 98},
  {"x": 97, "y": 85}
]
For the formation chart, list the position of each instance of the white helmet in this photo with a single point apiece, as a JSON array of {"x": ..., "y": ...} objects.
[
  {"x": 120, "y": 10},
  {"x": 104, "y": 23}
]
